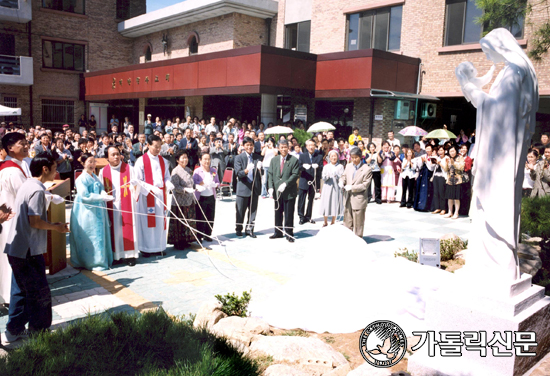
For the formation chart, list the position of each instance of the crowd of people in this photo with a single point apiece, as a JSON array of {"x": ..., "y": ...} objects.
[{"x": 124, "y": 211}]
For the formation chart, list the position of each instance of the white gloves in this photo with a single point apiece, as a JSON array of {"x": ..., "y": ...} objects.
[
  {"x": 105, "y": 197},
  {"x": 134, "y": 182},
  {"x": 348, "y": 187},
  {"x": 341, "y": 184},
  {"x": 315, "y": 165},
  {"x": 170, "y": 186},
  {"x": 259, "y": 165},
  {"x": 281, "y": 187},
  {"x": 213, "y": 185},
  {"x": 189, "y": 190},
  {"x": 306, "y": 166},
  {"x": 156, "y": 190},
  {"x": 200, "y": 188},
  {"x": 56, "y": 199},
  {"x": 270, "y": 191},
  {"x": 250, "y": 166}
]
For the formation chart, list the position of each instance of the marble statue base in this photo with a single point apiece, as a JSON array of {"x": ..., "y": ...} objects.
[{"x": 462, "y": 307}]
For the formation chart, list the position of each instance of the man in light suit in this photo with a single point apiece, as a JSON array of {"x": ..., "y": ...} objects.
[
  {"x": 356, "y": 182},
  {"x": 282, "y": 176},
  {"x": 311, "y": 163},
  {"x": 248, "y": 170}
]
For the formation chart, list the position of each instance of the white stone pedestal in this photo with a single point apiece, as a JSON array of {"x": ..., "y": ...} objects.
[{"x": 462, "y": 307}]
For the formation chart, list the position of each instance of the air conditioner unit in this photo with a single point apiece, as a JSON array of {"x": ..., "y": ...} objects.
[
  {"x": 402, "y": 110},
  {"x": 428, "y": 110}
]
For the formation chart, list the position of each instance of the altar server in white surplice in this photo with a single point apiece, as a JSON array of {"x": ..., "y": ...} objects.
[
  {"x": 13, "y": 173},
  {"x": 152, "y": 172},
  {"x": 116, "y": 178}
]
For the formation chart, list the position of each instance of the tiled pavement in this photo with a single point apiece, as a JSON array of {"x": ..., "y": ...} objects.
[{"x": 181, "y": 281}]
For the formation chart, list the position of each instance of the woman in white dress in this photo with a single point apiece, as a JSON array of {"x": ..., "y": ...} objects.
[{"x": 331, "y": 196}]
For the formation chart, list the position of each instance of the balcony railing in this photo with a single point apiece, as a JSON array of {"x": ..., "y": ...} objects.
[
  {"x": 10, "y": 65},
  {"x": 16, "y": 70},
  {"x": 19, "y": 11},
  {"x": 13, "y": 4}
]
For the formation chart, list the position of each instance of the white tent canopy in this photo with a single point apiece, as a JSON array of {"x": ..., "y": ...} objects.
[{"x": 8, "y": 111}]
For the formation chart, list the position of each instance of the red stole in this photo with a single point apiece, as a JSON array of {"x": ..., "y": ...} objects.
[
  {"x": 126, "y": 206},
  {"x": 151, "y": 219},
  {"x": 7, "y": 164}
]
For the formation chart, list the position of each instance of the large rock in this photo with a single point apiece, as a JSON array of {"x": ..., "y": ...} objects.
[
  {"x": 529, "y": 259},
  {"x": 310, "y": 354},
  {"x": 284, "y": 370},
  {"x": 208, "y": 315},
  {"x": 449, "y": 236},
  {"x": 240, "y": 329},
  {"x": 368, "y": 370}
]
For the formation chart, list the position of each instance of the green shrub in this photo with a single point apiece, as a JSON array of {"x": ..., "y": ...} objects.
[
  {"x": 302, "y": 136},
  {"x": 448, "y": 248},
  {"x": 411, "y": 256},
  {"x": 535, "y": 221},
  {"x": 535, "y": 216},
  {"x": 234, "y": 305},
  {"x": 151, "y": 344}
]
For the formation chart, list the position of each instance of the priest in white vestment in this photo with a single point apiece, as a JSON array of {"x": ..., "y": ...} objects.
[
  {"x": 116, "y": 178},
  {"x": 153, "y": 170},
  {"x": 13, "y": 173}
]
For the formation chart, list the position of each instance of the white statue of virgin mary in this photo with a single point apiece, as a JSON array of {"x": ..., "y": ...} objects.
[{"x": 504, "y": 128}]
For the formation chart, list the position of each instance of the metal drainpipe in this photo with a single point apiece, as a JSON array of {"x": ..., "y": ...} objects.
[
  {"x": 417, "y": 91},
  {"x": 29, "y": 34}
]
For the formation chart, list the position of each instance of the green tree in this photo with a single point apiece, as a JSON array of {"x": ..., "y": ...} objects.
[{"x": 507, "y": 13}]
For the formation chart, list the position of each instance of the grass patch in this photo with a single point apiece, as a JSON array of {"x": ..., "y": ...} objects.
[
  {"x": 151, "y": 344},
  {"x": 296, "y": 333},
  {"x": 409, "y": 255},
  {"x": 329, "y": 339}
]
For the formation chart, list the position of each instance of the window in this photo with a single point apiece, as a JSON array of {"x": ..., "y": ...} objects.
[
  {"x": 13, "y": 4},
  {"x": 297, "y": 36},
  {"x": 55, "y": 113},
  {"x": 73, "y": 6},
  {"x": 461, "y": 26},
  {"x": 123, "y": 9},
  {"x": 11, "y": 102},
  {"x": 7, "y": 44},
  {"x": 148, "y": 54},
  {"x": 379, "y": 28},
  {"x": 193, "y": 45},
  {"x": 60, "y": 55}
]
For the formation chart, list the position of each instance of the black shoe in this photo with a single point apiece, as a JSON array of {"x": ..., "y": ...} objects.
[
  {"x": 402, "y": 205},
  {"x": 145, "y": 254},
  {"x": 290, "y": 239},
  {"x": 207, "y": 239},
  {"x": 409, "y": 207},
  {"x": 239, "y": 233},
  {"x": 131, "y": 261},
  {"x": 379, "y": 202},
  {"x": 312, "y": 221},
  {"x": 302, "y": 221},
  {"x": 275, "y": 236},
  {"x": 251, "y": 234}
]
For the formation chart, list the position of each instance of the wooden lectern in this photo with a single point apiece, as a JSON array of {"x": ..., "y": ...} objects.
[{"x": 56, "y": 258}]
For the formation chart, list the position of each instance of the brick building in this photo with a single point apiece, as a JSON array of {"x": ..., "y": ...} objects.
[
  {"x": 46, "y": 46},
  {"x": 379, "y": 65}
]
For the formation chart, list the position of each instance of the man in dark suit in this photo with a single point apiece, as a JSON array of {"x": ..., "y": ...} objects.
[
  {"x": 283, "y": 173},
  {"x": 192, "y": 146},
  {"x": 248, "y": 169},
  {"x": 259, "y": 145},
  {"x": 311, "y": 164},
  {"x": 138, "y": 149}
]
